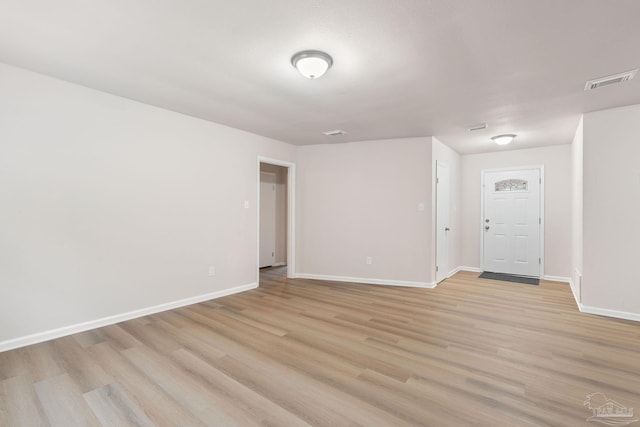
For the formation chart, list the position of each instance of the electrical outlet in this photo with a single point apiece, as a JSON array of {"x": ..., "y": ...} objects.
[
  {"x": 246, "y": 204},
  {"x": 369, "y": 260},
  {"x": 212, "y": 270}
]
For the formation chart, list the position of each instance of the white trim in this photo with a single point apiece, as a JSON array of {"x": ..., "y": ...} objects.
[
  {"x": 291, "y": 215},
  {"x": 110, "y": 320},
  {"x": 576, "y": 288},
  {"x": 452, "y": 272},
  {"x": 466, "y": 268},
  {"x": 601, "y": 311},
  {"x": 609, "y": 313},
  {"x": 279, "y": 264},
  {"x": 367, "y": 281},
  {"x": 575, "y": 295},
  {"x": 543, "y": 221},
  {"x": 542, "y": 218},
  {"x": 442, "y": 276},
  {"x": 557, "y": 279}
]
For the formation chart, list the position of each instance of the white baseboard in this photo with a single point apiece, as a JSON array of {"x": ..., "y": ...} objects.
[
  {"x": 576, "y": 287},
  {"x": 452, "y": 272},
  {"x": 471, "y": 269},
  {"x": 601, "y": 311},
  {"x": 279, "y": 264},
  {"x": 609, "y": 313},
  {"x": 110, "y": 320},
  {"x": 367, "y": 281},
  {"x": 557, "y": 279},
  {"x": 575, "y": 294}
]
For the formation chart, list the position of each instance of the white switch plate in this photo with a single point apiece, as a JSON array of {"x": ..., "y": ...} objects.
[
  {"x": 212, "y": 270},
  {"x": 246, "y": 204},
  {"x": 420, "y": 207},
  {"x": 369, "y": 260}
]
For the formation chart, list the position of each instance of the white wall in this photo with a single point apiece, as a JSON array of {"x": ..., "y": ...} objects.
[
  {"x": 109, "y": 205},
  {"x": 444, "y": 154},
  {"x": 577, "y": 210},
  {"x": 281, "y": 210},
  {"x": 558, "y": 187},
  {"x": 361, "y": 199},
  {"x": 612, "y": 210}
]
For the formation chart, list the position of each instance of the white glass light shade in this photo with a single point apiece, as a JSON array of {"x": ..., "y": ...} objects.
[
  {"x": 312, "y": 63},
  {"x": 503, "y": 139}
]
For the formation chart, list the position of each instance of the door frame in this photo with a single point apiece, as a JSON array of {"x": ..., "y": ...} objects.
[
  {"x": 291, "y": 214},
  {"x": 542, "y": 222},
  {"x": 443, "y": 274}
]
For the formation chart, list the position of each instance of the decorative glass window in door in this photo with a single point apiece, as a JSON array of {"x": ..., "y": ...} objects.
[{"x": 512, "y": 185}]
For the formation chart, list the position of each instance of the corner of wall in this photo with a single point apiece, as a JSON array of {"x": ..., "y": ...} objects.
[{"x": 577, "y": 159}]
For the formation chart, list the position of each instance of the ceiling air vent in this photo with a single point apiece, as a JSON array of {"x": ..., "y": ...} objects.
[
  {"x": 609, "y": 80},
  {"x": 479, "y": 126},
  {"x": 336, "y": 132}
]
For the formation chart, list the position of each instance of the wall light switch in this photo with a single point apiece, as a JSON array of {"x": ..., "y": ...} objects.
[
  {"x": 369, "y": 260},
  {"x": 421, "y": 207},
  {"x": 246, "y": 204},
  {"x": 212, "y": 270}
]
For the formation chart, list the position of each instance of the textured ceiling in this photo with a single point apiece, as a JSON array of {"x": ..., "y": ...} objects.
[{"x": 401, "y": 68}]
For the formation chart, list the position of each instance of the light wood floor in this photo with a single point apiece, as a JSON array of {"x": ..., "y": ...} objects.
[{"x": 304, "y": 352}]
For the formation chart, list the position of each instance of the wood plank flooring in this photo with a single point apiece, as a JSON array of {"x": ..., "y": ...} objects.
[{"x": 305, "y": 352}]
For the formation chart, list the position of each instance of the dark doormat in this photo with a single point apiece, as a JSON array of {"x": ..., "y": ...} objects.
[{"x": 509, "y": 278}]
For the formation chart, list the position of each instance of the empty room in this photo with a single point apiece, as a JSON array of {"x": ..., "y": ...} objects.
[{"x": 319, "y": 213}]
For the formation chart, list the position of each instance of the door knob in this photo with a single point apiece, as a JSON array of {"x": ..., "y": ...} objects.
[
  {"x": 446, "y": 229},
  {"x": 486, "y": 220},
  {"x": 486, "y": 227}
]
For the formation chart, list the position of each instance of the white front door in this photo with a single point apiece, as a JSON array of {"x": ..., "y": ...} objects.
[
  {"x": 267, "y": 219},
  {"x": 442, "y": 221},
  {"x": 512, "y": 221}
]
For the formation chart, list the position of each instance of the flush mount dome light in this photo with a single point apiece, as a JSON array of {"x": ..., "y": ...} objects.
[
  {"x": 503, "y": 139},
  {"x": 312, "y": 63}
]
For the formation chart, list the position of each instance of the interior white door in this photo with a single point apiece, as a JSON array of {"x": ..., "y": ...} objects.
[
  {"x": 267, "y": 219},
  {"x": 442, "y": 221},
  {"x": 511, "y": 223}
]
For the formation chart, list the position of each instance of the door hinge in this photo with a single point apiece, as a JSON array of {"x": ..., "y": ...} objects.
[
  {"x": 539, "y": 260},
  {"x": 436, "y": 268},
  {"x": 540, "y": 221},
  {"x": 540, "y": 180},
  {"x": 273, "y": 254},
  {"x": 437, "y": 180}
]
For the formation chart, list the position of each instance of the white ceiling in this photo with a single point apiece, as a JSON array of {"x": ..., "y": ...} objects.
[{"x": 401, "y": 67}]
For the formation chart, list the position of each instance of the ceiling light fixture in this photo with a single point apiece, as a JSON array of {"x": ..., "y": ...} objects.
[
  {"x": 503, "y": 139},
  {"x": 312, "y": 63}
]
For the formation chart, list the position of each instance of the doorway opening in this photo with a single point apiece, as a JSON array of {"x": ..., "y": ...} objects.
[
  {"x": 512, "y": 221},
  {"x": 276, "y": 215}
]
